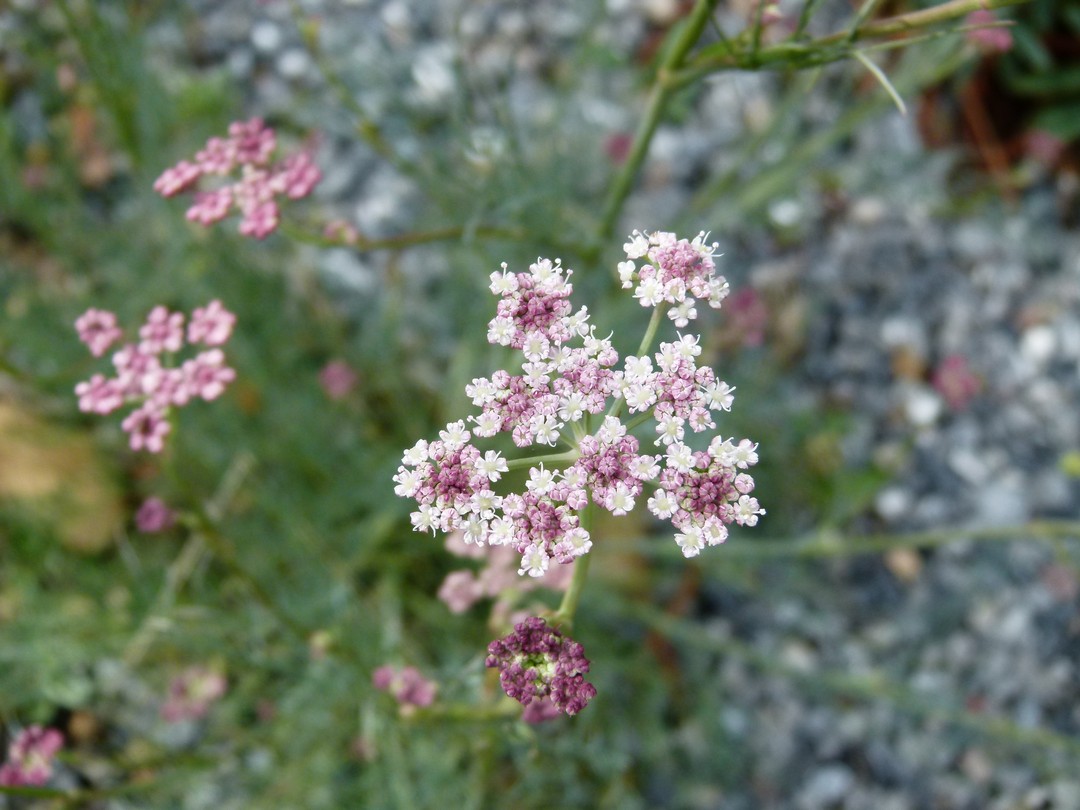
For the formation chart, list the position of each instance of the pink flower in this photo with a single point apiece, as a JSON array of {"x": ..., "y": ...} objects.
[
  {"x": 154, "y": 516},
  {"x": 956, "y": 382},
  {"x": 993, "y": 39},
  {"x": 163, "y": 331},
  {"x": 30, "y": 757},
  {"x": 537, "y": 662},
  {"x": 154, "y": 387},
  {"x": 337, "y": 379},
  {"x": 98, "y": 330},
  {"x": 211, "y": 325},
  {"x": 147, "y": 427},
  {"x": 206, "y": 376},
  {"x": 247, "y": 151},
  {"x": 192, "y": 693},
  {"x": 407, "y": 686}
]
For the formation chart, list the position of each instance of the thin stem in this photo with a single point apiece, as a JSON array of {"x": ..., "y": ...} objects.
[
  {"x": 659, "y": 95},
  {"x": 645, "y": 345},
  {"x": 568, "y": 607},
  {"x": 833, "y": 47},
  {"x": 408, "y": 239},
  {"x": 550, "y": 458}
]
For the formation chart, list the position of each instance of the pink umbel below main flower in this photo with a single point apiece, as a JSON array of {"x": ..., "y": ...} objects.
[
  {"x": 536, "y": 662},
  {"x": 98, "y": 330},
  {"x": 146, "y": 374},
  {"x": 30, "y": 757},
  {"x": 245, "y": 156}
]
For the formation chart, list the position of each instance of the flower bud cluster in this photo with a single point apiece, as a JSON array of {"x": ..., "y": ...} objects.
[
  {"x": 568, "y": 375},
  {"x": 192, "y": 693},
  {"x": 257, "y": 182},
  {"x": 537, "y": 663},
  {"x": 143, "y": 374},
  {"x": 407, "y": 685}
]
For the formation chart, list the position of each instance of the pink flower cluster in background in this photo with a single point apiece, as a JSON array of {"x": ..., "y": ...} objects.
[
  {"x": 145, "y": 374},
  {"x": 256, "y": 182},
  {"x": 986, "y": 33},
  {"x": 30, "y": 757},
  {"x": 568, "y": 372},
  {"x": 154, "y": 516},
  {"x": 192, "y": 693},
  {"x": 463, "y": 589},
  {"x": 407, "y": 685}
]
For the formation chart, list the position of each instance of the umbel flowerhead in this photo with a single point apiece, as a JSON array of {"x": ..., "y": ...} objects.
[
  {"x": 147, "y": 374},
  {"x": 570, "y": 390},
  {"x": 538, "y": 663}
]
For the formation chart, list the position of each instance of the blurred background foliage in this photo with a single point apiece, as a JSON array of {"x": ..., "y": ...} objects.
[{"x": 309, "y": 577}]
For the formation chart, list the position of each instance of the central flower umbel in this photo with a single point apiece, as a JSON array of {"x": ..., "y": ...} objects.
[{"x": 537, "y": 662}]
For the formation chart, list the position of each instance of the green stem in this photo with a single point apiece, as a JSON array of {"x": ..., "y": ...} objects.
[
  {"x": 643, "y": 347},
  {"x": 552, "y": 458},
  {"x": 568, "y": 607},
  {"x": 659, "y": 96},
  {"x": 405, "y": 240},
  {"x": 831, "y": 48}
]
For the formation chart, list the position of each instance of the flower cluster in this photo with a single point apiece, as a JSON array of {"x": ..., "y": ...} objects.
[
  {"x": 498, "y": 579},
  {"x": 568, "y": 375},
  {"x": 407, "y": 686},
  {"x": 30, "y": 757},
  {"x": 538, "y": 663},
  {"x": 679, "y": 272},
  {"x": 154, "y": 516},
  {"x": 144, "y": 376},
  {"x": 192, "y": 693},
  {"x": 253, "y": 192}
]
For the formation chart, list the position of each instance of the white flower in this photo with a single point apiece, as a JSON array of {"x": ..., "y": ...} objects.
[
  {"x": 535, "y": 347},
  {"x": 578, "y": 323},
  {"x": 492, "y": 465},
  {"x": 719, "y": 395},
  {"x": 680, "y": 457},
  {"x": 481, "y": 391},
  {"x": 691, "y": 542},
  {"x": 546, "y": 430},
  {"x": 504, "y": 282},
  {"x": 649, "y": 292},
  {"x": 637, "y": 247},
  {"x": 745, "y": 455},
  {"x": 500, "y": 531},
  {"x": 626, "y": 274},
  {"x": 639, "y": 397},
  {"x": 501, "y": 331},
  {"x": 662, "y": 504},
  {"x": 535, "y": 374},
  {"x": 540, "y": 480},
  {"x": 620, "y": 500},
  {"x": 475, "y": 529},
  {"x": 670, "y": 428},
  {"x": 417, "y": 454},
  {"x": 572, "y": 406},
  {"x": 611, "y": 431},
  {"x": 579, "y": 542},
  {"x": 455, "y": 435},
  {"x": 714, "y": 531},
  {"x": 534, "y": 562},
  {"x": 645, "y": 468},
  {"x": 427, "y": 517},
  {"x": 487, "y": 424},
  {"x": 747, "y": 510},
  {"x": 687, "y": 346},
  {"x": 408, "y": 482},
  {"x": 637, "y": 368}
]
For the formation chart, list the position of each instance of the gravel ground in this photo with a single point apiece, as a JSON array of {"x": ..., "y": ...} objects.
[{"x": 892, "y": 290}]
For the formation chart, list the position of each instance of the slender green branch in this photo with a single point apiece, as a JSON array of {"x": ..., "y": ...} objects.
[
  {"x": 568, "y": 607},
  {"x": 659, "y": 96},
  {"x": 883, "y": 80},
  {"x": 550, "y": 458},
  {"x": 404, "y": 240},
  {"x": 643, "y": 347},
  {"x": 834, "y": 47}
]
